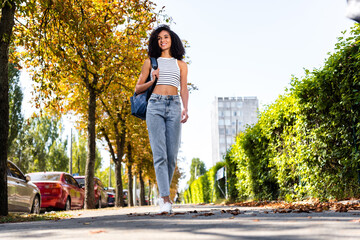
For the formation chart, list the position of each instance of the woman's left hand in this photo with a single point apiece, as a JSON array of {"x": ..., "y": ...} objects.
[{"x": 184, "y": 116}]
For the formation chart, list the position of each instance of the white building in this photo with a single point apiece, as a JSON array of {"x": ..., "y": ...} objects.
[{"x": 230, "y": 115}]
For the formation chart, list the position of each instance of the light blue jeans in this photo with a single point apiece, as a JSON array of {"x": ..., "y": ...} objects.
[{"x": 163, "y": 118}]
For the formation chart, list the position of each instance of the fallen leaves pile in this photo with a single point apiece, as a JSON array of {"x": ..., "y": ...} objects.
[
  {"x": 284, "y": 207},
  {"x": 197, "y": 214},
  {"x": 274, "y": 207}
]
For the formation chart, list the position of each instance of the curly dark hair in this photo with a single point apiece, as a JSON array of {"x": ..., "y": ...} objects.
[{"x": 177, "y": 49}]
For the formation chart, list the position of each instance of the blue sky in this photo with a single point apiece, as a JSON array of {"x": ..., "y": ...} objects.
[{"x": 245, "y": 48}]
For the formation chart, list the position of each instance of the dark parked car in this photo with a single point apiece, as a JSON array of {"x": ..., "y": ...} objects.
[
  {"x": 111, "y": 196},
  {"x": 59, "y": 190},
  {"x": 23, "y": 195},
  {"x": 101, "y": 197},
  {"x": 125, "y": 195}
]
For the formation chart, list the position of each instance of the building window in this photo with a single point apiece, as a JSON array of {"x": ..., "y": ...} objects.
[
  {"x": 239, "y": 104},
  {"x": 227, "y": 113},
  {"x": 221, "y": 131}
]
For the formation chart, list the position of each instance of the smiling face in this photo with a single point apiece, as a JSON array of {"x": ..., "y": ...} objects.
[{"x": 164, "y": 40}]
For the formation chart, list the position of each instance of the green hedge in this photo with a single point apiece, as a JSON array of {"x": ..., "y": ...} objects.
[
  {"x": 305, "y": 144},
  {"x": 205, "y": 189}
]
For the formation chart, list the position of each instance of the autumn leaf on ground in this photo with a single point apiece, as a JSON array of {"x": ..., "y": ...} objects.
[
  {"x": 163, "y": 213},
  {"x": 318, "y": 209},
  {"x": 302, "y": 210},
  {"x": 97, "y": 231},
  {"x": 341, "y": 208},
  {"x": 282, "y": 210},
  {"x": 356, "y": 220},
  {"x": 205, "y": 214},
  {"x": 138, "y": 214},
  {"x": 179, "y": 213},
  {"x": 233, "y": 212}
]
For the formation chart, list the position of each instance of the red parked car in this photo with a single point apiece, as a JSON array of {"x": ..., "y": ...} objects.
[
  {"x": 101, "y": 196},
  {"x": 58, "y": 190}
]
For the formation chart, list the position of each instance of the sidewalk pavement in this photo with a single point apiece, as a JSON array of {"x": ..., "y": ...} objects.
[{"x": 190, "y": 222}]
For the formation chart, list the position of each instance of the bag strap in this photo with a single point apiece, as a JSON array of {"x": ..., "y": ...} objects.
[{"x": 154, "y": 65}]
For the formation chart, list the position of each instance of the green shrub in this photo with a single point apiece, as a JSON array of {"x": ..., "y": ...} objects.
[
  {"x": 305, "y": 145},
  {"x": 205, "y": 188}
]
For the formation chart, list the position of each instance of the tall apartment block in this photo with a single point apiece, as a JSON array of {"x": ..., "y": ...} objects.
[{"x": 230, "y": 116}]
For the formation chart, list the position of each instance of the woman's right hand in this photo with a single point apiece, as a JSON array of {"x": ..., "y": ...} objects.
[{"x": 155, "y": 74}]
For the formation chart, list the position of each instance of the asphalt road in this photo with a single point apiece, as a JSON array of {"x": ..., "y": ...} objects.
[{"x": 208, "y": 222}]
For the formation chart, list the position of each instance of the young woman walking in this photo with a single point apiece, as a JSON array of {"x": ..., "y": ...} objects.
[{"x": 164, "y": 115}]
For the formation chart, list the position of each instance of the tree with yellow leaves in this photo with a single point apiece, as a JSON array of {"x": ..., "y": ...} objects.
[{"x": 76, "y": 50}]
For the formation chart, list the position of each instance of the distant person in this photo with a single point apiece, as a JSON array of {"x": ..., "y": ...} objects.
[
  {"x": 164, "y": 115},
  {"x": 353, "y": 10}
]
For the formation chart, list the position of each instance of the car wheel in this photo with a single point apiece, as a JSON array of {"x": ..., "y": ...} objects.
[
  {"x": 67, "y": 204},
  {"x": 36, "y": 205}
]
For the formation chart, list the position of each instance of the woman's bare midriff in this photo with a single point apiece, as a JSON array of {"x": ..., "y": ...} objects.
[{"x": 165, "y": 90}]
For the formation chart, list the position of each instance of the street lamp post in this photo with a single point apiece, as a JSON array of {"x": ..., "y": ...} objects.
[{"x": 70, "y": 162}]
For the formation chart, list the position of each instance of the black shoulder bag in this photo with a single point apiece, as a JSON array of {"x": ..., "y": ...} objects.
[{"x": 139, "y": 101}]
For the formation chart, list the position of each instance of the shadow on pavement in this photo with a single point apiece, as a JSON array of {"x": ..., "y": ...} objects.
[{"x": 250, "y": 224}]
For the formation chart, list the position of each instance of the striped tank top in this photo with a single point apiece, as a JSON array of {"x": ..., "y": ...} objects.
[{"x": 169, "y": 72}]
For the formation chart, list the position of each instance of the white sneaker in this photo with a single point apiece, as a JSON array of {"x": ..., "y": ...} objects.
[
  {"x": 165, "y": 207},
  {"x": 160, "y": 202}
]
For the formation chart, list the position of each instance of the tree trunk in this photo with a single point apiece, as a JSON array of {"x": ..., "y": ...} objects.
[
  {"x": 130, "y": 176},
  {"x": 6, "y": 26},
  {"x": 119, "y": 199},
  {"x": 130, "y": 190},
  {"x": 120, "y": 142},
  {"x": 90, "y": 162},
  {"x": 120, "y": 145},
  {"x": 149, "y": 194},
  {"x": 142, "y": 189}
]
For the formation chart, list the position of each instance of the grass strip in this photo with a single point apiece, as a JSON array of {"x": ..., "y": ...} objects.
[{"x": 18, "y": 217}]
